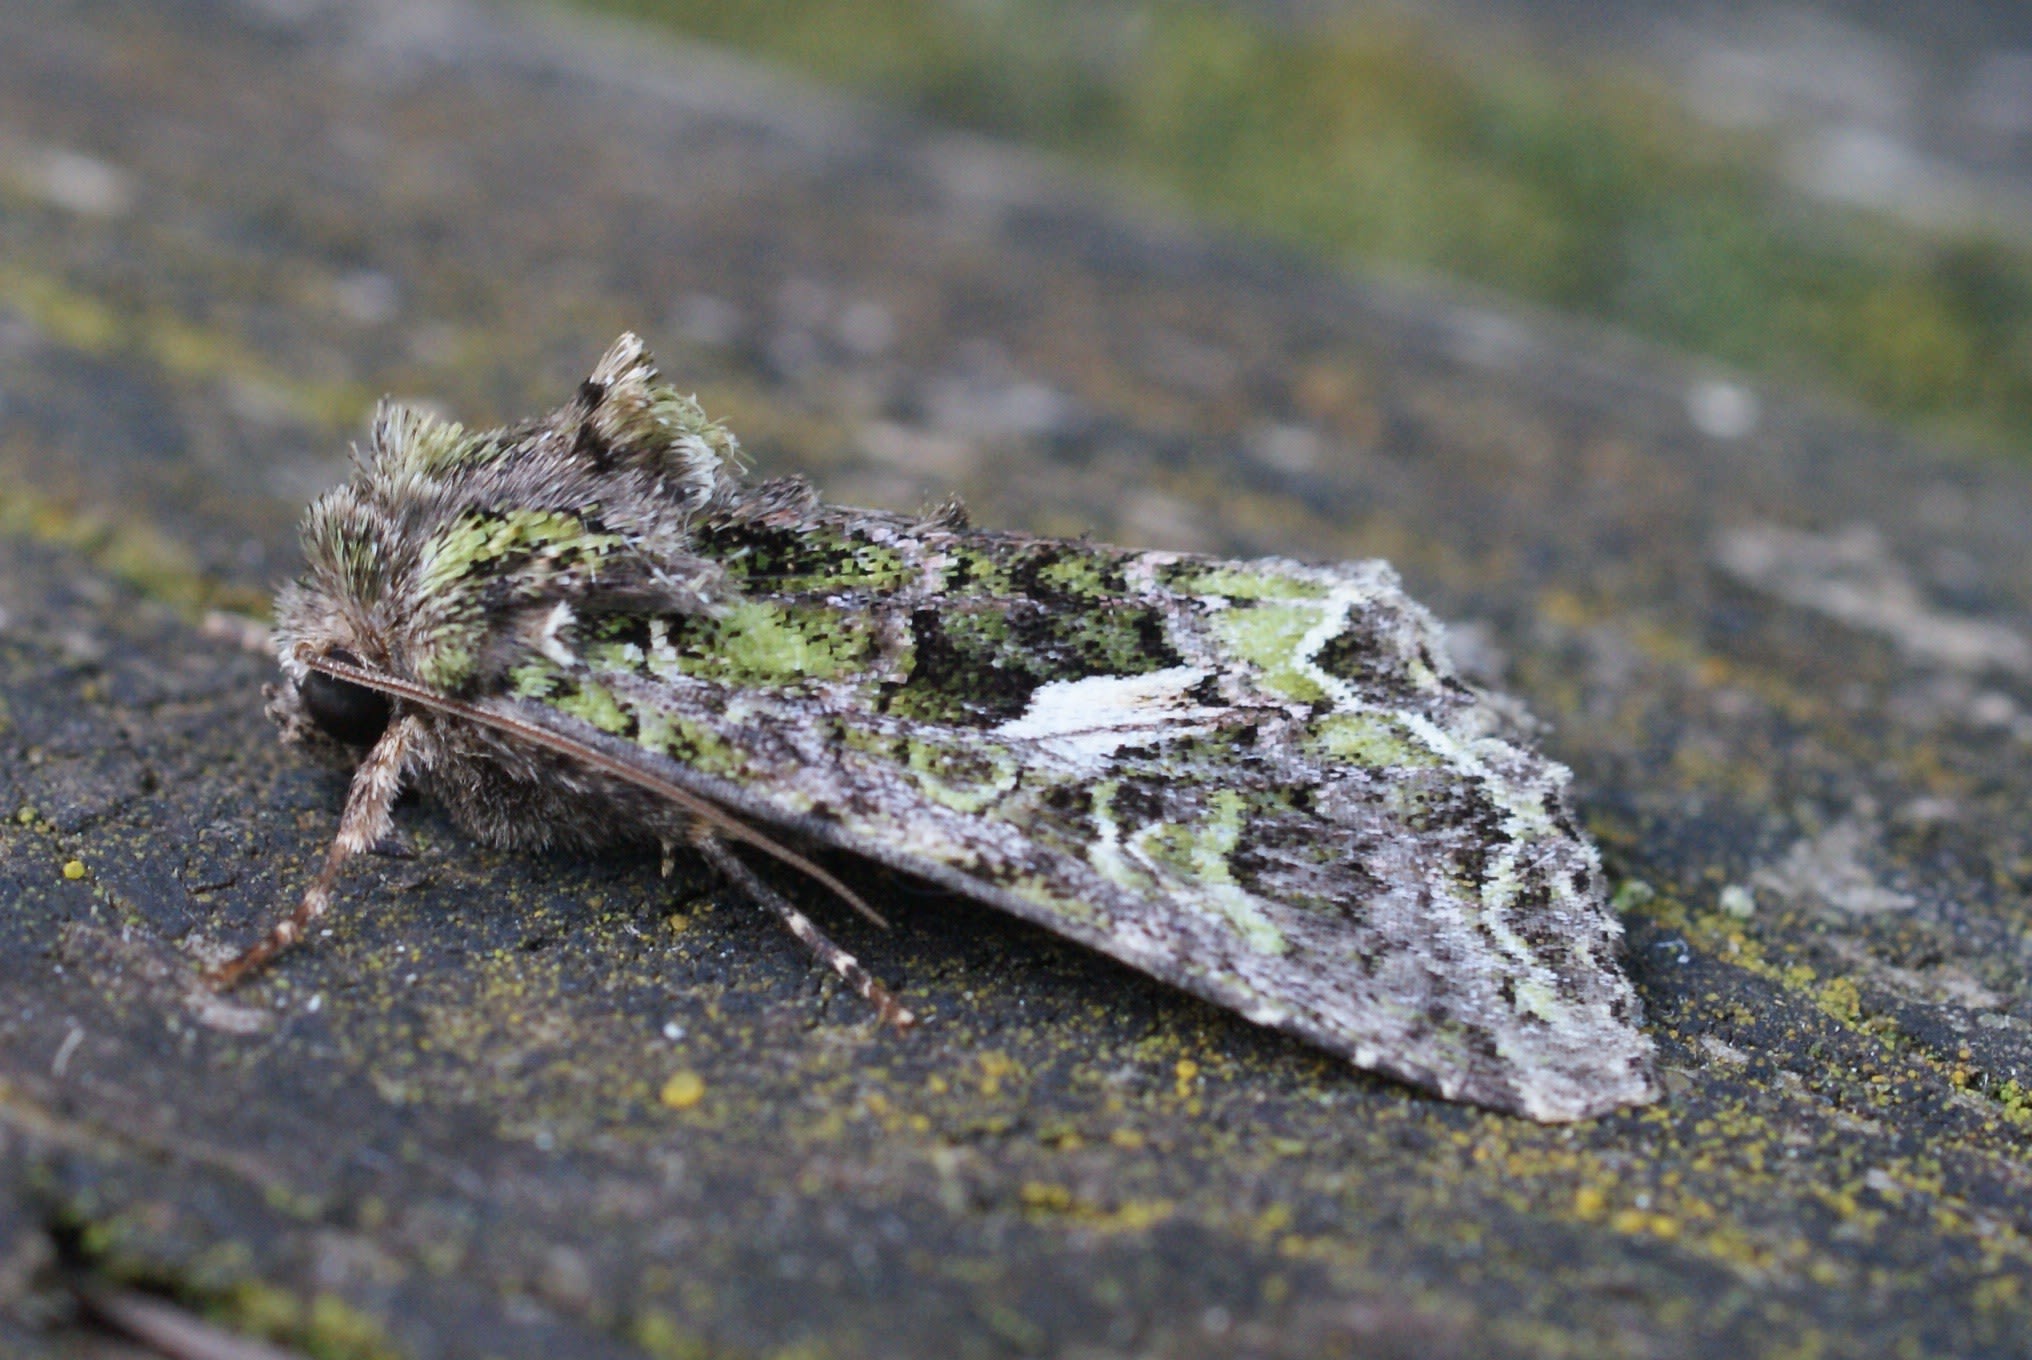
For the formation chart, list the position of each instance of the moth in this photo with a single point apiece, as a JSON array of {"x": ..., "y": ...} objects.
[{"x": 1259, "y": 781}]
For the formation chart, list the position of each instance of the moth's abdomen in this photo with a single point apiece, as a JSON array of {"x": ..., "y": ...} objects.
[{"x": 516, "y": 796}]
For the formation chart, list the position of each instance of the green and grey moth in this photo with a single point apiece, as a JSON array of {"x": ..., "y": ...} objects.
[{"x": 1259, "y": 781}]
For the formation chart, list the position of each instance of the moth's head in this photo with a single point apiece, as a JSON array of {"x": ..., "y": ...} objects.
[
  {"x": 322, "y": 619},
  {"x": 338, "y": 709},
  {"x": 451, "y": 553},
  {"x": 326, "y": 713}
]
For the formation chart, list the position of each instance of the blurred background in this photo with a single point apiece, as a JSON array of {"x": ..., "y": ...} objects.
[
  {"x": 1838, "y": 194},
  {"x": 262, "y": 214}
]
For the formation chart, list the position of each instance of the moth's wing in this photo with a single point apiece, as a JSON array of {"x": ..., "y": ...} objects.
[{"x": 1257, "y": 781}]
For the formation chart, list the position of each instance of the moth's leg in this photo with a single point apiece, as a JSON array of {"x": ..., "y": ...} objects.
[
  {"x": 731, "y": 867},
  {"x": 366, "y": 820}
]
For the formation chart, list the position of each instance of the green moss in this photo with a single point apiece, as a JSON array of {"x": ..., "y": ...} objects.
[
  {"x": 1371, "y": 136},
  {"x": 665, "y": 1338},
  {"x": 131, "y": 550},
  {"x": 339, "y": 1331},
  {"x": 92, "y": 326}
]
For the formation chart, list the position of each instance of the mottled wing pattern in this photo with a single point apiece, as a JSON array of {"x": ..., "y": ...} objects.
[{"x": 1257, "y": 780}]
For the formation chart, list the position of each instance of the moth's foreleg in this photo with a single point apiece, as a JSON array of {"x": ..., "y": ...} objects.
[
  {"x": 731, "y": 867},
  {"x": 369, "y": 803}
]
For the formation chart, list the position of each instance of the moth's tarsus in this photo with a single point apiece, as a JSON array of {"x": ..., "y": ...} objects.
[
  {"x": 730, "y": 867},
  {"x": 369, "y": 803},
  {"x": 1260, "y": 781}
]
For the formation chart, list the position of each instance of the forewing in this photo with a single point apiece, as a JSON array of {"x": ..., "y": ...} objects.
[{"x": 1258, "y": 781}]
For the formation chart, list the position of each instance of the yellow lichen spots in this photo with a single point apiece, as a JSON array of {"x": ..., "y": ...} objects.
[
  {"x": 71, "y": 318},
  {"x": 1272, "y": 1223},
  {"x": 1045, "y": 1196},
  {"x": 1129, "y": 1140},
  {"x": 1632, "y": 894},
  {"x": 1185, "y": 1078},
  {"x": 1997, "y": 1293},
  {"x": 1798, "y": 977},
  {"x": 261, "y": 1309},
  {"x": 1564, "y": 609},
  {"x": 328, "y": 1327},
  {"x": 1046, "y": 1199},
  {"x": 1640, "y": 1223},
  {"x": 137, "y": 552},
  {"x": 996, "y": 1068},
  {"x": 189, "y": 352},
  {"x": 27, "y": 815},
  {"x": 2015, "y": 1103},
  {"x": 1297, "y": 1247},
  {"x": 337, "y": 1329},
  {"x": 74, "y": 869},
  {"x": 1589, "y": 1203},
  {"x": 1061, "y": 1136},
  {"x": 1840, "y": 998},
  {"x": 664, "y": 1338},
  {"x": 682, "y": 1091}
]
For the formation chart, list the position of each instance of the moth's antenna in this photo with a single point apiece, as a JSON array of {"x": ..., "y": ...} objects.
[
  {"x": 705, "y": 810},
  {"x": 365, "y": 821},
  {"x": 729, "y": 864}
]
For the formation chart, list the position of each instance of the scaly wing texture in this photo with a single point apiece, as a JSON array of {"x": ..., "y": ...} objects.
[{"x": 1259, "y": 781}]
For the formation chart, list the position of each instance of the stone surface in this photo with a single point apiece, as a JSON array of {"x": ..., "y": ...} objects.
[{"x": 1784, "y": 652}]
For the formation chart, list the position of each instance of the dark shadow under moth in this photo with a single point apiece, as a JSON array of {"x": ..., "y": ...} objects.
[{"x": 1259, "y": 781}]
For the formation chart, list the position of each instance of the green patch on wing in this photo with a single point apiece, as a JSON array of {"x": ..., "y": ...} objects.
[
  {"x": 1235, "y": 581},
  {"x": 982, "y": 660},
  {"x": 614, "y": 710},
  {"x": 1376, "y": 741},
  {"x": 1200, "y": 852},
  {"x": 1267, "y": 636},
  {"x": 589, "y": 701},
  {"x": 817, "y": 559},
  {"x": 494, "y": 538},
  {"x": 1083, "y": 574},
  {"x": 529, "y": 549},
  {"x": 756, "y": 642}
]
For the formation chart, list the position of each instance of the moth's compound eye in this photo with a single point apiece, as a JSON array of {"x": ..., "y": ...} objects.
[{"x": 343, "y": 710}]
